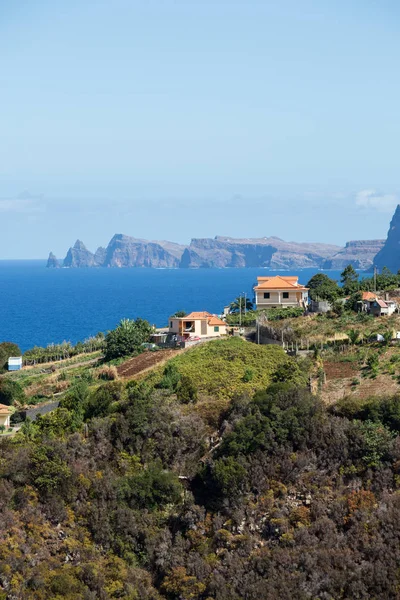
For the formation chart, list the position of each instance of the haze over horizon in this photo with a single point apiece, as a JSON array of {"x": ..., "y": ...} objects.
[{"x": 172, "y": 120}]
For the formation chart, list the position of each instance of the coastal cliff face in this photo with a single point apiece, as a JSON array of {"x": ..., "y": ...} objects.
[
  {"x": 221, "y": 252},
  {"x": 389, "y": 255},
  {"x": 125, "y": 251},
  {"x": 263, "y": 252},
  {"x": 359, "y": 253}
]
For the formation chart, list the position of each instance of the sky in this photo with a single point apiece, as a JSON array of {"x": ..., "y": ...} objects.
[{"x": 173, "y": 119}]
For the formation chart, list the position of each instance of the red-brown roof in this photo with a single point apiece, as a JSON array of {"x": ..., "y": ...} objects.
[
  {"x": 5, "y": 409},
  {"x": 382, "y": 304},
  {"x": 279, "y": 282},
  {"x": 368, "y": 296}
]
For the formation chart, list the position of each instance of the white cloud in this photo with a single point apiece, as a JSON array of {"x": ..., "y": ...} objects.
[
  {"x": 24, "y": 203},
  {"x": 372, "y": 199}
]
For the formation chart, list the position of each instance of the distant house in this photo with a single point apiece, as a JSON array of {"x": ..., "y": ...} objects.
[
  {"x": 379, "y": 308},
  {"x": 368, "y": 298},
  {"x": 15, "y": 363},
  {"x": 5, "y": 414},
  {"x": 197, "y": 325},
  {"x": 279, "y": 292}
]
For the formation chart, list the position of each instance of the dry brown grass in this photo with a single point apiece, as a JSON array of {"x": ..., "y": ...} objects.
[{"x": 107, "y": 373}]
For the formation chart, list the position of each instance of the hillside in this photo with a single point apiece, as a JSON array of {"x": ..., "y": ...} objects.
[{"x": 218, "y": 475}]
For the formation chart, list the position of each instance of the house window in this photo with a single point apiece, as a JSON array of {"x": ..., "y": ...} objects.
[
  {"x": 266, "y": 294},
  {"x": 286, "y": 295},
  {"x": 170, "y": 324},
  {"x": 216, "y": 328}
]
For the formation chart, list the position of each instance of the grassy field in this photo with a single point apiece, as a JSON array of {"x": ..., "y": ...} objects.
[{"x": 228, "y": 367}]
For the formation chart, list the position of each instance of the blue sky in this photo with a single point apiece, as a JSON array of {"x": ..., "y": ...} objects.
[{"x": 172, "y": 119}]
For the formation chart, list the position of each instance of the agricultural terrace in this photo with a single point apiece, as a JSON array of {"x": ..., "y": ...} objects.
[{"x": 324, "y": 328}]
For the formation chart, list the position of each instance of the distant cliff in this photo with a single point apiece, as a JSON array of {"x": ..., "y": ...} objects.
[
  {"x": 360, "y": 254},
  {"x": 389, "y": 255},
  {"x": 271, "y": 252}
]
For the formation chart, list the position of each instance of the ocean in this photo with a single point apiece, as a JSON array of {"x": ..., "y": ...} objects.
[{"x": 39, "y": 306}]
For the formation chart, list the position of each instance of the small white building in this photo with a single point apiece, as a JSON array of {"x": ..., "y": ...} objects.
[
  {"x": 379, "y": 308},
  {"x": 197, "y": 325},
  {"x": 15, "y": 363}
]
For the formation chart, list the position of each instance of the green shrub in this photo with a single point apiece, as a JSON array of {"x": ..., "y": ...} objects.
[
  {"x": 151, "y": 488},
  {"x": 10, "y": 392},
  {"x": 186, "y": 390},
  {"x": 248, "y": 375},
  {"x": 170, "y": 379},
  {"x": 127, "y": 338}
]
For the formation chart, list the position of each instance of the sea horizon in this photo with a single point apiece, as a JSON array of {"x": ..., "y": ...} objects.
[{"x": 42, "y": 306}]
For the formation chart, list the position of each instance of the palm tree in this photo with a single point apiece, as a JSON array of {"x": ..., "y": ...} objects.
[
  {"x": 240, "y": 304},
  {"x": 353, "y": 336}
]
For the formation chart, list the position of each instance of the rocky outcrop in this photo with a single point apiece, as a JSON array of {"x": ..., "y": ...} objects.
[
  {"x": 389, "y": 255},
  {"x": 52, "y": 262},
  {"x": 79, "y": 256},
  {"x": 125, "y": 251},
  {"x": 360, "y": 254},
  {"x": 221, "y": 252},
  {"x": 100, "y": 256}
]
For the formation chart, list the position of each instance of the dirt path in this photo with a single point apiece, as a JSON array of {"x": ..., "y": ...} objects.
[{"x": 145, "y": 362}]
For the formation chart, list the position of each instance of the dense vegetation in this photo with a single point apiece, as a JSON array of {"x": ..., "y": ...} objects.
[
  {"x": 323, "y": 287},
  {"x": 7, "y": 349},
  {"x": 131, "y": 489}
]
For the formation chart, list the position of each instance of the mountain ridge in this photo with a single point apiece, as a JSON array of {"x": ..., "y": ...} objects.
[{"x": 219, "y": 252}]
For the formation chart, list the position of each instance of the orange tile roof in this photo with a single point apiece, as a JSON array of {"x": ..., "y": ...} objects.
[
  {"x": 279, "y": 283},
  {"x": 198, "y": 315},
  {"x": 285, "y": 277},
  {"x": 5, "y": 409},
  {"x": 216, "y": 321},
  {"x": 368, "y": 296}
]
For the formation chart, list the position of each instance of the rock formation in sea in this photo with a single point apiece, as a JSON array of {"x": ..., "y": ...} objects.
[
  {"x": 79, "y": 256},
  {"x": 52, "y": 262},
  {"x": 389, "y": 255}
]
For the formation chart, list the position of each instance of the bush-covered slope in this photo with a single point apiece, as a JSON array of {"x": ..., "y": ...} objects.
[{"x": 121, "y": 493}]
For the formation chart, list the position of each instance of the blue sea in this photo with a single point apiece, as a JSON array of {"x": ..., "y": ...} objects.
[{"x": 39, "y": 306}]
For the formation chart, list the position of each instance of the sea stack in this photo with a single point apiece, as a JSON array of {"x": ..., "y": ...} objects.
[
  {"x": 79, "y": 256},
  {"x": 52, "y": 262}
]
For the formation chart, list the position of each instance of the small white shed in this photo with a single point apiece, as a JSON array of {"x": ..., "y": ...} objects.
[{"x": 15, "y": 363}]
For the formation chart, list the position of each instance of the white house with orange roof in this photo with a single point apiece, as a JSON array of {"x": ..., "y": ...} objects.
[
  {"x": 197, "y": 324},
  {"x": 5, "y": 414},
  {"x": 280, "y": 291}
]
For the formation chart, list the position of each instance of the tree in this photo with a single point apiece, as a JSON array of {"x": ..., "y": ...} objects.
[
  {"x": 323, "y": 288},
  {"x": 354, "y": 302},
  {"x": 11, "y": 392},
  {"x": 240, "y": 304},
  {"x": 179, "y": 314},
  {"x": 349, "y": 279},
  {"x": 127, "y": 338},
  {"x": 7, "y": 349}
]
